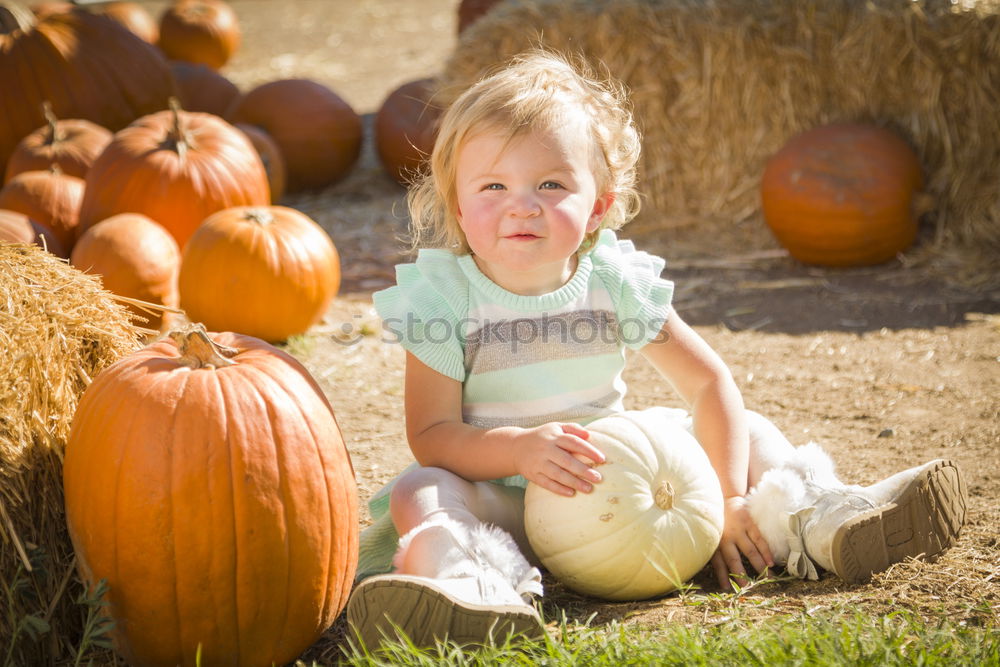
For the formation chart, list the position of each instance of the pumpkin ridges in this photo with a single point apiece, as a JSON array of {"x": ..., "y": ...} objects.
[{"x": 343, "y": 509}]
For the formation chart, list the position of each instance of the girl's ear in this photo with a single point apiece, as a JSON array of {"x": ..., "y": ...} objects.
[{"x": 601, "y": 208}]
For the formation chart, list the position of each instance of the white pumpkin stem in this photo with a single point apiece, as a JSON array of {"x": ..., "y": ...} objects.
[
  {"x": 664, "y": 496},
  {"x": 200, "y": 351}
]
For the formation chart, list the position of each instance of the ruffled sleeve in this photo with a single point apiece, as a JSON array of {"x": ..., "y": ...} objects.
[
  {"x": 632, "y": 277},
  {"x": 425, "y": 309}
]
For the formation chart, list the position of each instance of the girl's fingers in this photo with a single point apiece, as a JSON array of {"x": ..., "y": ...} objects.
[
  {"x": 575, "y": 429},
  {"x": 721, "y": 571}
]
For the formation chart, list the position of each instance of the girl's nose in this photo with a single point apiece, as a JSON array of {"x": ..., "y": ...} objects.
[{"x": 524, "y": 206}]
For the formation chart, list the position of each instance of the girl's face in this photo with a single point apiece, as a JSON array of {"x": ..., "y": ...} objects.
[{"x": 525, "y": 205}]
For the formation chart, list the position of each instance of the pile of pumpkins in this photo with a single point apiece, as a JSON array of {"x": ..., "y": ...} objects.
[{"x": 174, "y": 206}]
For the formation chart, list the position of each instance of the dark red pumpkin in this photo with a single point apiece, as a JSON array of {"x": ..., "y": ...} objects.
[
  {"x": 843, "y": 195},
  {"x": 318, "y": 132},
  {"x": 201, "y": 88},
  {"x": 469, "y": 11},
  {"x": 405, "y": 128},
  {"x": 133, "y": 16},
  {"x": 270, "y": 155},
  {"x": 86, "y": 66}
]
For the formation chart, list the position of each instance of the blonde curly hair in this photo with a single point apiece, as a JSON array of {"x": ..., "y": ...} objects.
[{"x": 535, "y": 91}]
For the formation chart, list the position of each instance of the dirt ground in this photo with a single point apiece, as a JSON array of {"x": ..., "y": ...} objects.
[{"x": 886, "y": 367}]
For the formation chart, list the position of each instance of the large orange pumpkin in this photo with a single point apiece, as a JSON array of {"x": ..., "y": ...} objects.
[
  {"x": 405, "y": 129},
  {"x": 843, "y": 195},
  {"x": 135, "y": 257},
  {"x": 266, "y": 271},
  {"x": 177, "y": 168},
  {"x": 200, "y": 31},
  {"x": 73, "y": 144},
  {"x": 49, "y": 197},
  {"x": 85, "y": 65},
  {"x": 318, "y": 132},
  {"x": 206, "y": 479}
]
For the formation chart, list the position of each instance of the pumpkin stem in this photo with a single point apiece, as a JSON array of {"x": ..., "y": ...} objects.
[
  {"x": 14, "y": 17},
  {"x": 664, "y": 496},
  {"x": 55, "y": 135},
  {"x": 200, "y": 351},
  {"x": 178, "y": 136},
  {"x": 258, "y": 215}
]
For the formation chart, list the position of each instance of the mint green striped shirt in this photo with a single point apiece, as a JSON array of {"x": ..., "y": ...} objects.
[{"x": 522, "y": 360}]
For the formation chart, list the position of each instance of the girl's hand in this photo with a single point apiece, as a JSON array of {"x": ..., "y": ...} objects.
[
  {"x": 553, "y": 456},
  {"x": 739, "y": 535}
]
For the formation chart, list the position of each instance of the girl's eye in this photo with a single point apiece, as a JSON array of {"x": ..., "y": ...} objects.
[
  {"x": 493, "y": 186},
  {"x": 550, "y": 185}
]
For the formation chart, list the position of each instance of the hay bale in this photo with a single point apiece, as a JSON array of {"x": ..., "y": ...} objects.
[
  {"x": 58, "y": 329},
  {"x": 719, "y": 86}
]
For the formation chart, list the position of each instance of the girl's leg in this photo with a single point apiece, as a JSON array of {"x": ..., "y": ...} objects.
[
  {"x": 458, "y": 573},
  {"x": 810, "y": 518}
]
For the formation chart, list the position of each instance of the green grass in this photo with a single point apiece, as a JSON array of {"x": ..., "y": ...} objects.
[{"x": 855, "y": 639}]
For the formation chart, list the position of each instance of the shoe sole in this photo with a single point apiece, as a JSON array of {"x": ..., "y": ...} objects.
[
  {"x": 924, "y": 520},
  {"x": 382, "y": 607}
]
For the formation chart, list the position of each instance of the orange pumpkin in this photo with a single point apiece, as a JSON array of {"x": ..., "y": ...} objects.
[
  {"x": 200, "y": 31},
  {"x": 206, "y": 479},
  {"x": 270, "y": 155},
  {"x": 133, "y": 16},
  {"x": 266, "y": 271},
  {"x": 135, "y": 257},
  {"x": 176, "y": 167},
  {"x": 201, "y": 88},
  {"x": 18, "y": 228},
  {"x": 49, "y": 197},
  {"x": 72, "y": 144},
  {"x": 85, "y": 65},
  {"x": 405, "y": 128},
  {"x": 843, "y": 195},
  {"x": 318, "y": 132}
]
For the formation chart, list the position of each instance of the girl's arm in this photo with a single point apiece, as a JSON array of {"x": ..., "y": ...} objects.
[
  {"x": 705, "y": 383},
  {"x": 549, "y": 455}
]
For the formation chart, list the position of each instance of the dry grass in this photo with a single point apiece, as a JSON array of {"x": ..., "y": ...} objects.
[
  {"x": 719, "y": 86},
  {"x": 58, "y": 329}
]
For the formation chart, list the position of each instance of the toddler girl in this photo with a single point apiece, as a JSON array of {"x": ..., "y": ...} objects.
[{"x": 515, "y": 323}]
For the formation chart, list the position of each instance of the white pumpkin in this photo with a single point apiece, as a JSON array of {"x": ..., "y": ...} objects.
[{"x": 652, "y": 523}]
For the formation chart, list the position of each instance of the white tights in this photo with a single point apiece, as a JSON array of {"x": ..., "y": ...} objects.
[{"x": 431, "y": 493}]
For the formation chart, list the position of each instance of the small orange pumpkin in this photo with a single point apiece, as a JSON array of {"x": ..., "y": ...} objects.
[
  {"x": 200, "y": 31},
  {"x": 73, "y": 144},
  {"x": 50, "y": 198},
  {"x": 318, "y": 132},
  {"x": 266, "y": 271},
  {"x": 843, "y": 195},
  {"x": 405, "y": 129},
  {"x": 19, "y": 228},
  {"x": 135, "y": 257},
  {"x": 176, "y": 167},
  {"x": 207, "y": 480}
]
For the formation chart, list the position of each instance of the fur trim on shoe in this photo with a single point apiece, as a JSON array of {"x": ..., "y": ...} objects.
[{"x": 779, "y": 492}]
